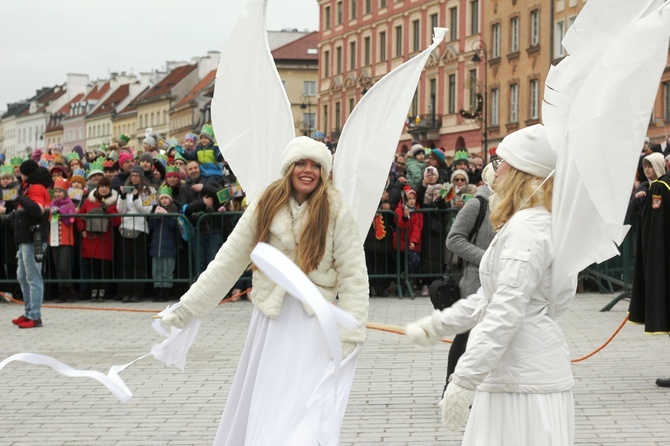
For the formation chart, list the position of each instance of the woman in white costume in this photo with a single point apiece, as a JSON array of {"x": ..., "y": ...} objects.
[
  {"x": 516, "y": 370},
  {"x": 284, "y": 391}
]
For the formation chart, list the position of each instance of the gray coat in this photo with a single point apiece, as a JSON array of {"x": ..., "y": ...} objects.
[{"x": 458, "y": 243}]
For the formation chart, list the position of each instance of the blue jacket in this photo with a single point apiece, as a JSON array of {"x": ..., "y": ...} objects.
[{"x": 163, "y": 236}]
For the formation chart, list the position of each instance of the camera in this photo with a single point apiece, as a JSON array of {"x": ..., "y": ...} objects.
[{"x": 37, "y": 242}]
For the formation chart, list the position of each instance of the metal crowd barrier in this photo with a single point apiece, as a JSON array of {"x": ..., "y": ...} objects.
[{"x": 198, "y": 239}]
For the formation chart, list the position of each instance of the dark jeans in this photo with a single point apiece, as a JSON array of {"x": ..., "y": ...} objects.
[
  {"x": 100, "y": 270},
  {"x": 455, "y": 352},
  {"x": 134, "y": 263},
  {"x": 62, "y": 264},
  {"x": 209, "y": 245}
]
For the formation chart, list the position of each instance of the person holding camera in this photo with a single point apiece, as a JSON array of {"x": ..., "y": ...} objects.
[{"x": 30, "y": 234}]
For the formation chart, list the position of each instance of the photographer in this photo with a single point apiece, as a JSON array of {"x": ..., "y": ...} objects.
[
  {"x": 10, "y": 188},
  {"x": 30, "y": 234}
]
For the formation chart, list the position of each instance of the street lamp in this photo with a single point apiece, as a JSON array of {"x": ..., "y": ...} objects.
[
  {"x": 479, "y": 47},
  {"x": 306, "y": 104}
]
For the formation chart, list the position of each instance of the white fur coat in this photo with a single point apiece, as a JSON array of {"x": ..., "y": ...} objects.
[{"x": 341, "y": 272}]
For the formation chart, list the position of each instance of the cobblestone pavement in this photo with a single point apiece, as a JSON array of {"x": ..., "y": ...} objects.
[{"x": 393, "y": 400}]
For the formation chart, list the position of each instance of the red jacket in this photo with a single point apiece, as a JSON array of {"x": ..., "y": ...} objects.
[
  {"x": 98, "y": 246},
  {"x": 411, "y": 227}
]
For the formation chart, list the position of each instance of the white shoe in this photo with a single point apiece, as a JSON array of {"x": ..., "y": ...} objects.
[{"x": 424, "y": 291}]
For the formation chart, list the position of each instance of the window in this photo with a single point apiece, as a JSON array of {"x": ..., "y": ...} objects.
[
  {"x": 495, "y": 41},
  {"x": 559, "y": 33},
  {"x": 534, "y": 27},
  {"x": 165, "y": 117},
  {"x": 382, "y": 3},
  {"x": 434, "y": 21},
  {"x": 338, "y": 60},
  {"x": 514, "y": 35},
  {"x": 534, "y": 99},
  {"x": 398, "y": 41},
  {"x": 141, "y": 122},
  {"x": 368, "y": 6},
  {"x": 354, "y": 9},
  {"x": 416, "y": 38},
  {"x": 472, "y": 75},
  {"x": 352, "y": 55},
  {"x": 514, "y": 103},
  {"x": 326, "y": 17},
  {"x": 452, "y": 94},
  {"x": 338, "y": 116},
  {"x": 474, "y": 17},
  {"x": 309, "y": 88},
  {"x": 366, "y": 51},
  {"x": 339, "y": 12},
  {"x": 453, "y": 23},
  {"x": 494, "y": 119},
  {"x": 309, "y": 121},
  {"x": 666, "y": 101},
  {"x": 326, "y": 64},
  {"x": 382, "y": 46},
  {"x": 432, "y": 106},
  {"x": 352, "y": 104},
  {"x": 414, "y": 106}
]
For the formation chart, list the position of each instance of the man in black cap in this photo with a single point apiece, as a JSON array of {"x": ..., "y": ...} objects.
[{"x": 30, "y": 235}]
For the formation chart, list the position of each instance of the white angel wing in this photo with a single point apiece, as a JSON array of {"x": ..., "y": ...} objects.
[
  {"x": 251, "y": 113},
  {"x": 370, "y": 136},
  {"x": 596, "y": 111}
]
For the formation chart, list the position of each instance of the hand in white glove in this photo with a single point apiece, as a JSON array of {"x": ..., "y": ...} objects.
[
  {"x": 455, "y": 406},
  {"x": 423, "y": 332},
  {"x": 179, "y": 318}
]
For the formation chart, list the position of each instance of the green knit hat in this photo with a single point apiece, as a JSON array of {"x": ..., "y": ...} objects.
[{"x": 208, "y": 132}]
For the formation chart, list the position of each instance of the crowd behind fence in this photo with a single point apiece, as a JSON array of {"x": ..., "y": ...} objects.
[{"x": 198, "y": 240}]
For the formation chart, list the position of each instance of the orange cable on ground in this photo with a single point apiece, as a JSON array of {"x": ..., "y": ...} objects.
[{"x": 235, "y": 297}]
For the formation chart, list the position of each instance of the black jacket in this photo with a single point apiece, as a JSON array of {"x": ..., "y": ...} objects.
[
  {"x": 31, "y": 215},
  {"x": 193, "y": 206}
]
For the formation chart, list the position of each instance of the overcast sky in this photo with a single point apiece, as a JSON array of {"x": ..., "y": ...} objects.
[{"x": 43, "y": 40}]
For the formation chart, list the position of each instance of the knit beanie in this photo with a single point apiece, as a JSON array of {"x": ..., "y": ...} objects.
[
  {"x": 28, "y": 167},
  {"x": 528, "y": 150},
  {"x": 208, "y": 132},
  {"x": 150, "y": 141},
  {"x": 137, "y": 169},
  {"x": 192, "y": 136},
  {"x": 146, "y": 156},
  {"x": 430, "y": 170},
  {"x": 78, "y": 176},
  {"x": 416, "y": 148},
  {"x": 438, "y": 154},
  {"x": 460, "y": 172},
  {"x": 124, "y": 158},
  {"x": 304, "y": 147},
  {"x": 488, "y": 175},
  {"x": 36, "y": 155}
]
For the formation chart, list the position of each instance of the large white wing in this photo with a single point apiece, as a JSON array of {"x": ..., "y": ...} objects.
[
  {"x": 251, "y": 113},
  {"x": 596, "y": 110},
  {"x": 370, "y": 136}
]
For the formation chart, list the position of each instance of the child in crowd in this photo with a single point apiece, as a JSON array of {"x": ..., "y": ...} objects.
[
  {"x": 97, "y": 246},
  {"x": 163, "y": 245},
  {"x": 410, "y": 225},
  {"x": 415, "y": 165},
  {"x": 61, "y": 239},
  {"x": 209, "y": 157},
  {"x": 77, "y": 192},
  {"x": 190, "y": 142}
]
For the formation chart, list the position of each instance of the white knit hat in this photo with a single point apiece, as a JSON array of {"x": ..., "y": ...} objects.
[
  {"x": 304, "y": 147},
  {"x": 528, "y": 150}
]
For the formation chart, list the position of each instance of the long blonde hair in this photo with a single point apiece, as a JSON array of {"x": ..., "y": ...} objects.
[
  {"x": 516, "y": 192},
  {"x": 312, "y": 243}
]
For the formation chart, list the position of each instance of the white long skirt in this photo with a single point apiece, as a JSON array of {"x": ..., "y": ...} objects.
[
  {"x": 285, "y": 391},
  {"x": 521, "y": 419}
]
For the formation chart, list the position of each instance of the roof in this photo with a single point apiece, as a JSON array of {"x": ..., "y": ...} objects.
[
  {"x": 198, "y": 88},
  {"x": 277, "y": 39},
  {"x": 169, "y": 82},
  {"x": 15, "y": 109},
  {"x": 299, "y": 49},
  {"x": 66, "y": 108},
  {"x": 109, "y": 105},
  {"x": 97, "y": 92},
  {"x": 132, "y": 106}
]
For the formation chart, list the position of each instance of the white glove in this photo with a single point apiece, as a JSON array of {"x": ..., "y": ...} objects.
[
  {"x": 179, "y": 318},
  {"x": 455, "y": 406},
  {"x": 424, "y": 331}
]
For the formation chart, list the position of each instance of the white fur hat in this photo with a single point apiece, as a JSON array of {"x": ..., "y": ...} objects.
[
  {"x": 304, "y": 147},
  {"x": 528, "y": 150}
]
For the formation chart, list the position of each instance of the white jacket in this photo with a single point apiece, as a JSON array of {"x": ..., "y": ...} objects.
[
  {"x": 131, "y": 205},
  {"x": 341, "y": 272},
  {"x": 515, "y": 346}
]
